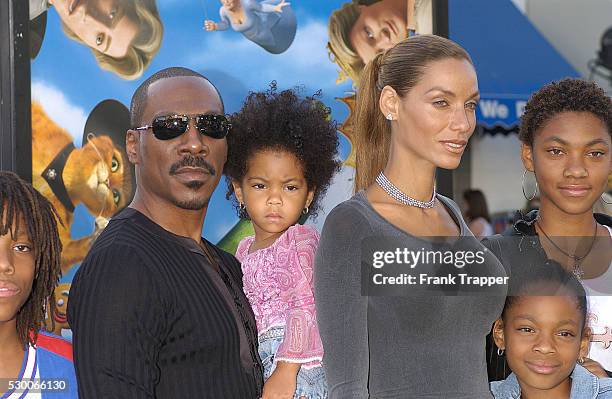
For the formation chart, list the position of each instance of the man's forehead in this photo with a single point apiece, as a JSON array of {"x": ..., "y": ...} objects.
[{"x": 184, "y": 94}]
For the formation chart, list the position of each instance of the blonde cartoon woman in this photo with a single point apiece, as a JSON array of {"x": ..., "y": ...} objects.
[
  {"x": 360, "y": 29},
  {"x": 271, "y": 24},
  {"x": 124, "y": 35}
]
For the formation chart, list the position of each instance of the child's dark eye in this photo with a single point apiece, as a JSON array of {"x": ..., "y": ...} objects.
[
  {"x": 555, "y": 151},
  {"x": 292, "y": 188},
  {"x": 22, "y": 248},
  {"x": 259, "y": 186},
  {"x": 567, "y": 334},
  {"x": 525, "y": 329}
]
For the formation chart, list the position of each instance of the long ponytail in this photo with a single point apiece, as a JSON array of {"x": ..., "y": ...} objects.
[{"x": 372, "y": 130}]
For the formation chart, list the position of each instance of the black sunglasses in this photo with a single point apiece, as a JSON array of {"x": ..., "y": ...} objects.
[{"x": 168, "y": 127}]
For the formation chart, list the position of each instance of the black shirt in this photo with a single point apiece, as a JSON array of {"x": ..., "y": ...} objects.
[{"x": 156, "y": 315}]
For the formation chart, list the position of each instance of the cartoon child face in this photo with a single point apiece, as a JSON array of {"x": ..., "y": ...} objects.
[
  {"x": 108, "y": 26},
  {"x": 379, "y": 27},
  {"x": 61, "y": 304}
]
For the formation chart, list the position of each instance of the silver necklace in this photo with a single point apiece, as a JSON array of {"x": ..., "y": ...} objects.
[
  {"x": 577, "y": 268},
  {"x": 402, "y": 197}
]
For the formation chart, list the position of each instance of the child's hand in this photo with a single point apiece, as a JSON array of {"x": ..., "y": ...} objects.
[
  {"x": 282, "y": 382},
  {"x": 210, "y": 25},
  {"x": 594, "y": 368}
]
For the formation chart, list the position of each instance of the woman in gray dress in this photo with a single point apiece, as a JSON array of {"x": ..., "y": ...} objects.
[{"x": 415, "y": 113}]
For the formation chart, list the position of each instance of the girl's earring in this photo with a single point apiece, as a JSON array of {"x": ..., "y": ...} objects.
[
  {"x": 581, "y": 360},
  {"x": 535, "y": 192},
  {"x": 305, "y": 211},
  {"x": 389, "y": 116},
  {"x": 500, "y": 352},
  {"x": 242, "y": 211}
]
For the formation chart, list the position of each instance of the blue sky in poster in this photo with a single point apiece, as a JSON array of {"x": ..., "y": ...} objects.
[{"x": 68, "y": 82}]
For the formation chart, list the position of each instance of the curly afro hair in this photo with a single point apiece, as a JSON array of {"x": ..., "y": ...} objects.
[
  {"x": 284, "y": 121},
  {"x": 567, "y": 95}
]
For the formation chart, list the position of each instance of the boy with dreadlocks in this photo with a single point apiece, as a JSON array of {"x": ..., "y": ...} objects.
[{"x": 33, "y": 364}]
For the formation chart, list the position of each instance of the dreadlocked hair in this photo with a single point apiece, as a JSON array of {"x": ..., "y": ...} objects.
[{"x": 19, "y": 201}]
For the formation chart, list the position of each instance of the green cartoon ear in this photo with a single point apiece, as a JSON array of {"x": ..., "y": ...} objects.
[{"x": 230, "y": 241}]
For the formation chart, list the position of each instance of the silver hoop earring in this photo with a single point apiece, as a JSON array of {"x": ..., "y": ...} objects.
[
  {"x": 242, "y": 206},
  {"x": 535, "y": 192},
  {"x": 500, "y": 352},
  {"x": 389, "y": 116},
  {"x": 305, "y": 211}
]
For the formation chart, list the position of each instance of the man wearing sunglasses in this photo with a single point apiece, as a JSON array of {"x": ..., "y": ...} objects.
[{"x": 156, "y": 310}]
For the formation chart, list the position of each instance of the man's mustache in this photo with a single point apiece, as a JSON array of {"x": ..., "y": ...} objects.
[{"x": 194, "y": 162}]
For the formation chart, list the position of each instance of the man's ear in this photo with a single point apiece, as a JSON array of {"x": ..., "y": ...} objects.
[
  {"x": 498, "y": 334},
  {"x": 132, "y": 139},
  {"x": 527, "y": 156}
]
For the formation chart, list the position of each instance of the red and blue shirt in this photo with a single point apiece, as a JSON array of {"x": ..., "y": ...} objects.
[{"x": 47, "y": 371}]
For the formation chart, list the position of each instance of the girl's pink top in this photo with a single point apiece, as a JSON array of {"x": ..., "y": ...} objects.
[{"x": 278, "y": 283}]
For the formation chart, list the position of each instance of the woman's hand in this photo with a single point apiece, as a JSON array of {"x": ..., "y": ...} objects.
[
  {"x": 594, "y": 367},
  {"x": 279, "y": 6},
  {"x": 210, "y": 25},
  {"x": 282, "y": 382}
]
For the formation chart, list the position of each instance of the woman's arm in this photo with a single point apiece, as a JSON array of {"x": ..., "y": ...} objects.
[
  {"x": 224, "y": 24},
  {"x": 341, "y": 309},
  {"x": 265, "y": 6}
]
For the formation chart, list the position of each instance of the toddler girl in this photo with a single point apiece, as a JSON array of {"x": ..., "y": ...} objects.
[{"x": 281, "y": 158}]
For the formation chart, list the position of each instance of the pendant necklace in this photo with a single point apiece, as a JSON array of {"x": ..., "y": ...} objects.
[{"x": 577, "y": 268}]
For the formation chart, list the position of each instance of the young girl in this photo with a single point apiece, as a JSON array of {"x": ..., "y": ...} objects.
[
  {"x": 282, "y": 156},
  {"x": 566, "y": 135},
  {"x": 33, "y": 364},
  {"x": 544, "y": 335}
]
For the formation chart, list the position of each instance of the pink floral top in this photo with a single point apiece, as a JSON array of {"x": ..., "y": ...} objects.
[{"x": 278, "y": 283}]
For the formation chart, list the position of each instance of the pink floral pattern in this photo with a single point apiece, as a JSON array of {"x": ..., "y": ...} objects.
[{"x": 278, "y": 283}]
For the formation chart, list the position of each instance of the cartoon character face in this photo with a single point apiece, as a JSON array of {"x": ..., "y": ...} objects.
[
  {"x": 230, "y": 4},
  {"x": 108, "y": 26},
  {"x": 59, "y": 313}
]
